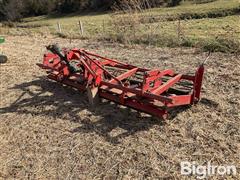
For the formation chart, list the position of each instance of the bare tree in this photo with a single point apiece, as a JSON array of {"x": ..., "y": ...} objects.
[{"x": 12, "y": 9}]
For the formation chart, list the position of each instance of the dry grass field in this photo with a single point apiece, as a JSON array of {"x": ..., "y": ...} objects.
[{"x": 47, "y": 131}]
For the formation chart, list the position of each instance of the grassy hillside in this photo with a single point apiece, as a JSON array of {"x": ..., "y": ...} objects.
[
  {"x": 211, "y": 26},
  {"x": 226, "y": 7}
]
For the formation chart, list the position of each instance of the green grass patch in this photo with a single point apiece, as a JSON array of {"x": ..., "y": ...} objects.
[{"x": 211, "y": 26}]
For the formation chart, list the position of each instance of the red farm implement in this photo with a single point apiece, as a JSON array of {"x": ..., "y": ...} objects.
[{"x": 152, "y": 91}]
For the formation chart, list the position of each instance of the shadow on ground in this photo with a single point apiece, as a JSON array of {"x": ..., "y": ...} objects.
[{"x": 43, "y": 97}]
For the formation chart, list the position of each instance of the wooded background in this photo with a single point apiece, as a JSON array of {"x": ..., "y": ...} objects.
[{"x": 14, "y": 10}]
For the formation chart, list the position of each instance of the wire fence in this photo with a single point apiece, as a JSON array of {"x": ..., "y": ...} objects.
[
  {"x": 127, "y": 32},
  {"x": 135, "y": 30}
]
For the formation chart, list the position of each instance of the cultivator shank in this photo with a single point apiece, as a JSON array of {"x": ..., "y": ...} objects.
[{"x": 152, "y": 91}]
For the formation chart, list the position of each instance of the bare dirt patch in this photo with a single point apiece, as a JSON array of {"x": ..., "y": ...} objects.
[{"x": 47, "y": 131}]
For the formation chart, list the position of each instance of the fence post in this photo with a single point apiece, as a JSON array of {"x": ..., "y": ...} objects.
[
  {"x": 150, "y": 38},
  {"x": 179, "y": 31},
  {"x": 103, "y": 28},
  {"x": 134, "y": 33},
  {"x": 81, "y": 27},
  {"x": 59, "y": 27}
]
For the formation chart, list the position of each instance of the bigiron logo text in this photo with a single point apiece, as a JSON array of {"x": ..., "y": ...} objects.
[{"x": 204, "y": 171}]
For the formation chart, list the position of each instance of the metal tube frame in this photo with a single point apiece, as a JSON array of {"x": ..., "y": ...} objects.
[{"x": 151, "y": 94}]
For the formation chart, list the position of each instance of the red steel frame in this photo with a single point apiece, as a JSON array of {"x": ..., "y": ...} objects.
[{"x": 151, "y": 91}]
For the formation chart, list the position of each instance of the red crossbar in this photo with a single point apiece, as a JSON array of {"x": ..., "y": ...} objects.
[
  {"x": 167, "y": 85},
  {"x": 124, "y": 75}
]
